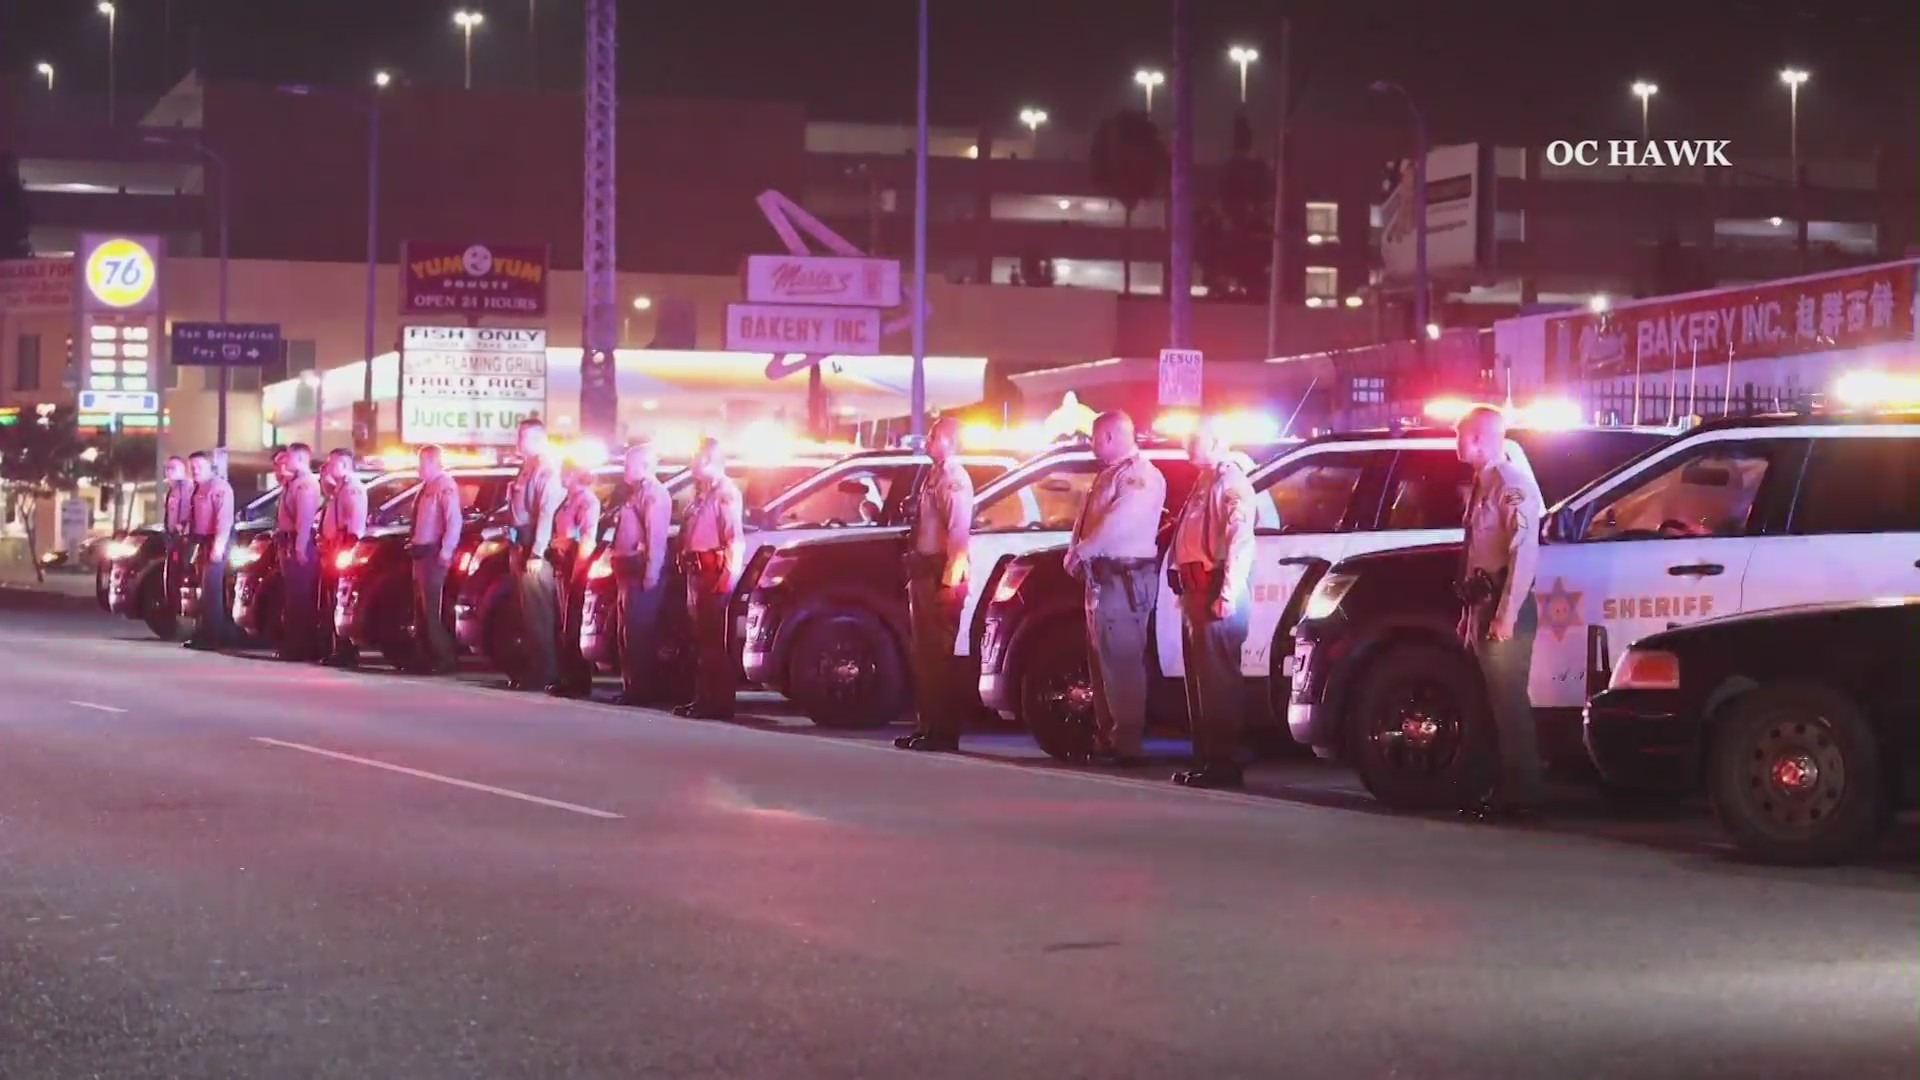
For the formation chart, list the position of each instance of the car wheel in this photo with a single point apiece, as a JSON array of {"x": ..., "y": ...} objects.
[
  {"x": 846, "y": 672},
  {"x": 1794, "y": 776},
  {"x": 1276, "y": 740},
  {"x": 157, "y": 609},
  {"x": 100, "y": 594},
  {"x": 1419, "y": 733},
  {"x": 1056, "y": 694}
]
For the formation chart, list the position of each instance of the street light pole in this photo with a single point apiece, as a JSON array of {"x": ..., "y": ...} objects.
[
  {"x": 1244, "y": 57},
  {"x": 220, "y": 165},
  {"x": 113, "y": 17},
  {"x": 918, "y": 402},
  {"x": 373, "y": 236},
  {"x": 1794, "y": 78},
  {"x": 466, "y": 21},
  {"x": 1147, "y": 80},
  {"x": 1420, "y": 299},
  {"x": 46, "y": 69},
  {"x": 1644, "y": 91}
]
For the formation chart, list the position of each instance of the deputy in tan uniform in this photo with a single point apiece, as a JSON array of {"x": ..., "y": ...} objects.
[
  {"x": 1496, "y": 589},
  {"x": 343, "y": 521},
  {"x": 176, "y": 525},
  {"x": 711, "y": 545},
  {"x": 293, "y": 532},
  {"x": 937, "y": 580},
  {"x": 1114, "y": 552},
  {"x": 575, "y": 532},
  {"x": 1211, "y": 563},
  {"x": 210, "y": 529},
  {"x": 639, "y": 564},
  {"x": 430, "y": 549},
  {"x": 533, "y": 499}
]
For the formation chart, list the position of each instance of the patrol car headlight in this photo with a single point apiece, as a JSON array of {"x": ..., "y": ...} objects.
[
  {"x": 122, "y": 549},
  {"x": 602, "y": 568},
  {"x": 1646, "y": 669},
  {"x": 1326, "y": 596},
  {"x": 777, "y": 570},
  {"x": 1010, "y": 581}
]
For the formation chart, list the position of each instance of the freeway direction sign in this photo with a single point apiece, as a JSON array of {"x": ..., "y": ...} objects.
[{"x": 226, "y": 344}]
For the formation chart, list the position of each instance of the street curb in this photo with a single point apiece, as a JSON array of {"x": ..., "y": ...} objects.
[{"x": 27, "y": 596}]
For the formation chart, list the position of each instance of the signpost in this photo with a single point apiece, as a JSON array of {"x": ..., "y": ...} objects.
[
  {"x": 226, "y": 344},
  {"x": 1180, "y": 378},
  {"x": 473, "y": 279},
  {"x": 798, "y": 328},
  {"x": 470, "y": 385},
  {"x": 119, "y": 401},
  {"x": 823, "y": 280}
]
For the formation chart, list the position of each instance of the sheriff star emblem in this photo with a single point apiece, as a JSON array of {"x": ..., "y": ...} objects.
[{"x": 1559, "y": 609}]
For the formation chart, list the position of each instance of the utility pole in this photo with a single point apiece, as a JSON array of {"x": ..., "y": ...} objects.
[
  {"x": 918, "y": 402},
  {"x": 600, "y": 315},
  {"x": 1277, "y": 261},
  {"x": 1180, "y": 273}
]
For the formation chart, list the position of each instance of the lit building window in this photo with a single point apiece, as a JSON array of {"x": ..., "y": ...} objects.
[
  {"x": 1323, "y": 283},
  {"x": 1369, "y": 390},
  {"x": 1323, "y": 219}
]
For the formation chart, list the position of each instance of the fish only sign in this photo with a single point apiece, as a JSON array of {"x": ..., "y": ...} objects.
[{"x": 470, "y": 385}]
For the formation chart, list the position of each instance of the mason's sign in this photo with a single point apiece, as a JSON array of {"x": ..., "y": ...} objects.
[{"x": 1646, "y": 154}]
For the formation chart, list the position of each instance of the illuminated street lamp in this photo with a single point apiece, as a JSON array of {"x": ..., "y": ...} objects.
[
  {"x": 382, "y": 78},
  {"x": 1599, "y": 304},
  {"x": 466, "y": 21},
  {"x": 1644, "y": 91},
  {"x": 113, "y": 19},
  {"x": 46, "y": 69},
  {"x": 1794, "y": 78},
  {"x": 1033, "y": 118},
  {"x": 1147, "y": 80},
  {"x": 1243, "y": 56},
  {"x": 641, "y": 304}
]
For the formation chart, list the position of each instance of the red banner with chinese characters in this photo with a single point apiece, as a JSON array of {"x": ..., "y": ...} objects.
[
  {"x": 1831, "y": 313},
  {"x": 473, "y": 279}
]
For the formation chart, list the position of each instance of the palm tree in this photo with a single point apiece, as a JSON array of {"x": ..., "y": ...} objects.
[{"x": 1128, "y": 164}]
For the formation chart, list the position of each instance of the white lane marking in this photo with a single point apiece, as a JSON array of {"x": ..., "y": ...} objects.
[
  {"x": 451, "y": 780},
  {"x": 97, "y": 706}
]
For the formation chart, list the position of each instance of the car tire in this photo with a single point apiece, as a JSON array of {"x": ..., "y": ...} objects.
[
  {"x": 157, "y": 609},
  {"x": 1056, "y": 693},
  {"x": 1793, "y": 774},
  {"x": 846, "y": 671},
  {"x": 1419, "y": 734}
]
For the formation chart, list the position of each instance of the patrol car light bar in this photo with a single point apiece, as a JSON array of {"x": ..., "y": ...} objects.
[
  {"x": 1877, "y": 390},
  {"x": 1238, "y": 426},
  {"x": 1544, "y": 414}
]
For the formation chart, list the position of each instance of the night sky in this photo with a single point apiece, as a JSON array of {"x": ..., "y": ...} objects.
[{"x": 1520, "y": 72}]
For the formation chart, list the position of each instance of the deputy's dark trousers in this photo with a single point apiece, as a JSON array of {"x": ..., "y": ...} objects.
[
  {"x": 1216, "y": 694},
  {"x": 1506, "y": 665},
  {"x": 714, "y": 673},
  {"x": 433, "y": 641},
  {"x": 933, "y": 623},
  {"x": 214, "y": 627},
  {"x": 540, "y": 619},
  {"x": 570, "y": 575},
  {"x": 299, "y": 602},
  {"x": 1117, "y": 652},
  {"x": 639, "y": 617}
]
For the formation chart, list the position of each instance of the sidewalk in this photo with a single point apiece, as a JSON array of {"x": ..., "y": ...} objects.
[{"x": 62, "y": 588}]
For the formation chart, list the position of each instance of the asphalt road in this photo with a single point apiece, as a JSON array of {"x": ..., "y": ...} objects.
[{"x": 218, "y": 866}]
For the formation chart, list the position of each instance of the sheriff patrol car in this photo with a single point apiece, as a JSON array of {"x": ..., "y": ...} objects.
[
  {"x": 1736, "y": 515},
  {"x": 1315, "y": 504}
]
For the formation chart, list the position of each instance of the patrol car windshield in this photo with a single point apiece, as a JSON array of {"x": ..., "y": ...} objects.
[
  {"x": 263, "y": 508},
  {"x": 861, "y": 495},
  {"x": 758, "y": 483},
  {"x": 480, "y": 495},
  {"x": 1041, "y": 499}
]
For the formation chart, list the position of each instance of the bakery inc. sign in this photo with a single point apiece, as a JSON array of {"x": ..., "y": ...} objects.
[{"x": 473, "y": 279}]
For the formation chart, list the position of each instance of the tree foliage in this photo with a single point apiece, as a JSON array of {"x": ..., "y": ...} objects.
[
  {"x": 13, "y": 211},
  {"x": 1128, "y": 164},
  {"x": 1236, "y": 225}
]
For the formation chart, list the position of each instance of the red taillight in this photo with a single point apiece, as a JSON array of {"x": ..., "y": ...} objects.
[
  {"x": 468, "y": 560},
  {"x": 344, "y": 560},
  {"x": 1646, "y": 669}
]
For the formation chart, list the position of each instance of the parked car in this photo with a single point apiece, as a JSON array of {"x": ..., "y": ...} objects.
[
  {"x": 1736, "y": 515},
  {"x": 826, "y": 620},
  {"x": 487, "y": 622},
  {"x": 255, "y": 566},
  {"x": 1318, "y": 501},
  {"x": 1798, "y": 723}
]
